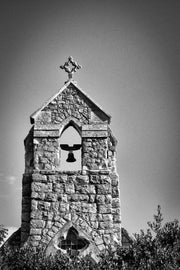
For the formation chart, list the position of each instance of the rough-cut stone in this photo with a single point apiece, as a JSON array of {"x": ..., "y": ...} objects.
[
  {"x": 38, "y": 195},
  {"x": 104, "y": 189},
  {"x": 69, "y": 188},
  {"x": 115, "y": 202},
  {"x": 39, "y": 178},
  {"x": 95, "y": 134},
  {"x": 104, "y": 209},
  {"x": 37, "y": 224},
  {"x": 95, "y": 179},
  {"x": 82, "y": 179}
]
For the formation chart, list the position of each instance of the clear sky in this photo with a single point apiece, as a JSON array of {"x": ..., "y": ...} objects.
[{"x": 130, "y": 53}]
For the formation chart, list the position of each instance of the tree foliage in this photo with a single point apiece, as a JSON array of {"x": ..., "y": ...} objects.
[
  {"x": 157, "y": 248},
  {"x": 3, "y": 234}
]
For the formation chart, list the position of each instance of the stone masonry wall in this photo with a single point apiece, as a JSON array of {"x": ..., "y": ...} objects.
[
  {"x": 68, "y": 104},
  {"x": 46, "y": 153},
  {"x": 95, "y": 153},
  {"x": 93, "y": 197}
]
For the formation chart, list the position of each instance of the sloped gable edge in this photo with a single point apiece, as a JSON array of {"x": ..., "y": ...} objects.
[{"x": 96, "y": 108}]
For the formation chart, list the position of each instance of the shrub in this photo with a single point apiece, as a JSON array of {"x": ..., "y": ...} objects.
[
  {"x": 3, "y": 234},
  {"x": 156, "y": 249}
]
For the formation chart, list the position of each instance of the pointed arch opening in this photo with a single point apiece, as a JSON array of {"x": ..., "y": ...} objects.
[
  {"x": 73, "y": 243},
  {"x": 70, "y": 148}
]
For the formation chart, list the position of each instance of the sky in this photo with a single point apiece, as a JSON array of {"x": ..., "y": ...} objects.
[{"x": 130, "y": 57}]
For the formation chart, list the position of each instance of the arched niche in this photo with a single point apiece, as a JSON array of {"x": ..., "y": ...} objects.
[{"x": 70, "y": 136}]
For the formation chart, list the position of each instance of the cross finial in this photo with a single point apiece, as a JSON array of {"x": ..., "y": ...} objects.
[{"x": 70, "y": 67}]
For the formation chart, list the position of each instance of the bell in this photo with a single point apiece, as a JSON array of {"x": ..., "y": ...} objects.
[{"x": 70, "y": 157}]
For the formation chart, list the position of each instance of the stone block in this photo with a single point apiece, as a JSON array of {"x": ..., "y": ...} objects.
[
  {"x": 76, "y": 206},
  {"x": 101, "y": 247},
  {"x": 115, "y": 191},
  {"x": 35, "y": 231},
  {"x": 104, "y": 189},
  {"x": 58, "y": 187},
  {"x": 92, "y": 217},
  {"x": 107, "y": 239},
  {"x": 55, "y": 229},
  {"x": 49, "y": 215},
  {"x": 64, "y": 207},
  {"x": 100, "y": 199},
  {"x": 34, "y": 204},
  {"x": 44, "y": 206},
  {"x": 114, "y": 179},
  {"x": 116, "y": 218},
  {"x": 41, "y": 187},
  {"x": 104, "y": 209},
  {"x": 67, "y": 216},
  {"x": 88, "y": 207},
  {"x": 115, "y": 203},
  {"x": 108, "y": 199},
  {"x": 82, "y": 179},
  {"x": 58, "y": 224},
  {"x": 103, "y": 225},
  {"x": 80, "y": 197},
  {"x": 46, "y": 133},
  {"x": 47, "y": 166},
  {"x": 51, "y": 197},
  {"x": 86, "y": 189},
  {"x": 104, "y": 171},
  {"x": 94, "y": 179},
  {"x": 48, "y": 224},
  {"x": 36, "y": 214},
  {"x": 53, "y": 178},
  {"x": 39, "y": 178},
  {"x": 44, "y": 232},
  {"x": 47, "y": 238},
  {"x": 117, "y": 227},
  {"x": 94, "y": 134},
  {"x": 71, "y": 177},
  {"x": 69, "y": 188},
  {"x": 84, "y": 226},
  {"x": 44, "y": 117},
  {"x": 38, "y": 195},
  {"x": 98, "y": 240},
  {"x": 105, "y": 179},
  {"x": 62, "y": 221},
  {"x": 92, "y": 189},
  {"x": 73, "y": 197},
  {"x": 63, "y": 178},
  {"x": 36, "y": 223},
  {"x": 46, "y": 126},
  {"x": 51, "y": 233},
  {"x": 63, "y": 198},
  {"x": 92, "y": 198},
  {"x": 116, "y": 211},
  {"x": 107, "y": 217},
  {"x": 94, "y": 126}
]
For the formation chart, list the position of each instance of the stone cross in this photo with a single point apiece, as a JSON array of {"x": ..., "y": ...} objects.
[{"x": 70, "y": 67}]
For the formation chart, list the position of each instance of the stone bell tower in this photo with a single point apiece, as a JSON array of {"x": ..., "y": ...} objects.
[{"x": 77, "y": 212}]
